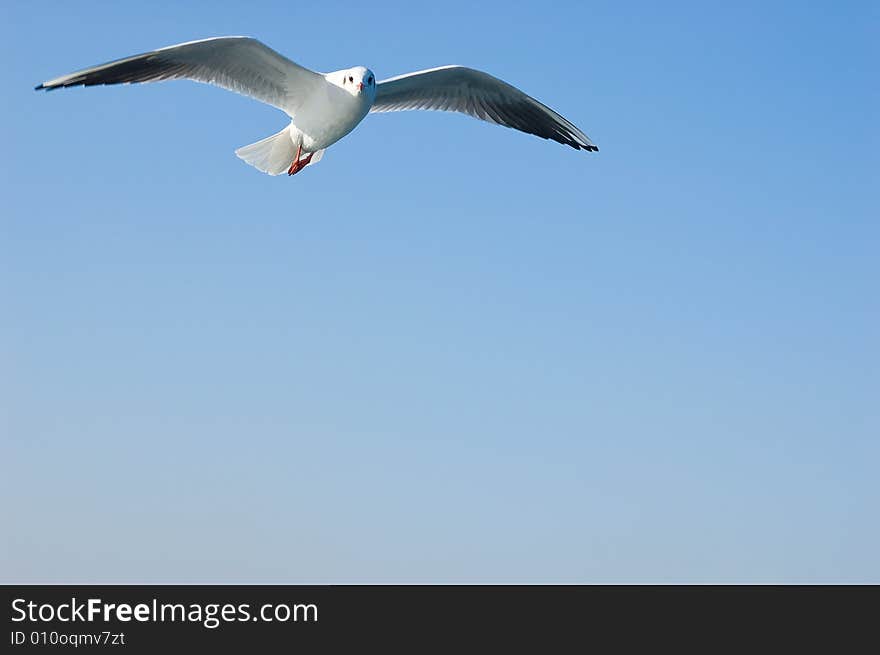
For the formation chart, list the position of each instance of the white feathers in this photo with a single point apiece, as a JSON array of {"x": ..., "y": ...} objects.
[
  {"x": 316, "y": 157},
  {"x": 477, "y": 94},
  {"x": 236, "y": 63},
  {"x": 324, "y": 108},
  {"x": 272, "y": 155}
]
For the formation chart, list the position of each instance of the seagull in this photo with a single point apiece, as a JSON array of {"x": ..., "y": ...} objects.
[{"x": 325, "y": 107}]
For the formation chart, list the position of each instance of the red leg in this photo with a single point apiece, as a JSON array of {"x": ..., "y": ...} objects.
[
  {"x": 299, "y": 164},
  {"x": 295, "y": 167}
]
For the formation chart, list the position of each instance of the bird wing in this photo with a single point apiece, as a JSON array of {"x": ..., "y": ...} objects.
[
  {"x": 477, "y": 94},
  {"x": 236, "y": 63}
]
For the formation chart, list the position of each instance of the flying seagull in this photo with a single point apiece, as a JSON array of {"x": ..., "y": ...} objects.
[{"x": 324, "y": 107}]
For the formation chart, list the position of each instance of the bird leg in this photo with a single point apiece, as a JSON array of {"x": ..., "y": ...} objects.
[
  {"x": 294, "y": 167},
  {"x": 298, "y": 164}
]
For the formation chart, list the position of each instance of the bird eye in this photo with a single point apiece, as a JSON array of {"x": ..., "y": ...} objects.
[
  {"x": 350, "y": 78},
  {"x": 370, "y": 79}
]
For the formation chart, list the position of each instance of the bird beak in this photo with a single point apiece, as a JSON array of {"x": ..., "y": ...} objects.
[{"x": 360, "y": 86}]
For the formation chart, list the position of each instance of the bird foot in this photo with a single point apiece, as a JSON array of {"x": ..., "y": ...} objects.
[{"x": 299, "y": 164}]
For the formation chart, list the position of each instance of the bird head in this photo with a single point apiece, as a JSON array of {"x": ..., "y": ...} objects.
[{"x": 358, "y": 81}]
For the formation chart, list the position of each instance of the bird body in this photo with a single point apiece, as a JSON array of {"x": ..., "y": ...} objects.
[
  {"x": 324, "y": 108},
  {"x": 334, "y": 111}
]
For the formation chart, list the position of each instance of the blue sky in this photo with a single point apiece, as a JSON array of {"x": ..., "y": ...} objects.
[{"x": 449, "y": 352}]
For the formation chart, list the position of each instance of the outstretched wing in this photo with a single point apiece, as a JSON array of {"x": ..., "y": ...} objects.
[
  {"x": 477, "y": 94},
  {"x": 236, "y": 63}
]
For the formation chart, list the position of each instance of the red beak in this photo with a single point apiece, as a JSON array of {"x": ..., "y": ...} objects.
[{"x": 360, "y": 86}]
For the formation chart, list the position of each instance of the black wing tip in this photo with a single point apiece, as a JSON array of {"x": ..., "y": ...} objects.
[
  {"x": 40, "y": 87},
  {"x": 588, "y": 147}
]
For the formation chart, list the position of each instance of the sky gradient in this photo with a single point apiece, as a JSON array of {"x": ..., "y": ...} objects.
[{"x": 449, "y": 352}]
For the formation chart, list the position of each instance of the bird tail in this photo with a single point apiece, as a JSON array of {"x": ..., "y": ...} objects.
[{"x": 272, "y": 155}]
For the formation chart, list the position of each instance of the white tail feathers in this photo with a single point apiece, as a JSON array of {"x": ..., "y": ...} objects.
[
  {"x": 319, "y": 154},
  {"x": 272, "y": 155}
]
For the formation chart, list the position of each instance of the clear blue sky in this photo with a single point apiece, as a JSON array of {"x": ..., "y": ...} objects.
[{"x": 450, "y": 351}]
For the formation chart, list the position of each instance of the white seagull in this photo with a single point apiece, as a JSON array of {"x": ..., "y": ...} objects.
[{"x": 324, "y": 107}]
